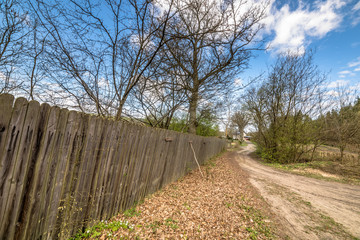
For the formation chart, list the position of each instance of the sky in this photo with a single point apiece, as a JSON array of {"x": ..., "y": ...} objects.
[{"x": 330, "y": 27}]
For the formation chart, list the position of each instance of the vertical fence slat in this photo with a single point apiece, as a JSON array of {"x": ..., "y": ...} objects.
[
  {"x": 117, "y": 161},
  {"x": 6, "y": 106},
  {"x": 32, "y": 198},
  {"x": 56, "y": 173},
  {"x": 66, "y": 140},
  {"x": 23, "y": 163},
  {"x": 65, "y": 220},
  {"x": 87, "y": 171},
  {"x": 148, "y": 160},
  {"x": 56, "y": 126},
  {"x": 63, "y": 175},
  {"x": 103, "y": 169},
  {"x": 125, "y": 201},
  {"x": 10, "y": 162}
]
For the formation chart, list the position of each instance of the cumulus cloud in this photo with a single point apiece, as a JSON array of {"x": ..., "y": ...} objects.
[
  {"x": 356, "y": 7},
  {"x": 238, "y": 82},
  {"x": 345, "y": 72},
  {"x": 293, "y": 27},
  {"x": 337, "y": 83},
  {"x": 354, "y": 63}
]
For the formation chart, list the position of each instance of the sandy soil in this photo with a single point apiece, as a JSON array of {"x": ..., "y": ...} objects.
[{"x": 308, "y": 208}]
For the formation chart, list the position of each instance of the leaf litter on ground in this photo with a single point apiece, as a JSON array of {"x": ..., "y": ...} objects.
[{"x": 221, "y": 205}]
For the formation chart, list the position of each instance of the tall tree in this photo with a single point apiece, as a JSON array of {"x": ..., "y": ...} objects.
[
  {"x": 211, "y": 42},
  {"x": 343, "y": 122},
  {"x": 241, "y": 120},
  {"x": 100, "y": 50}
]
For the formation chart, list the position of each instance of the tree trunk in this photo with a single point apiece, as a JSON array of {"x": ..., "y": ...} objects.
[
  {"x": 119, "y": 111},
  {"x": 192, "y": 112},
  {"x": 342, "y": 148}
]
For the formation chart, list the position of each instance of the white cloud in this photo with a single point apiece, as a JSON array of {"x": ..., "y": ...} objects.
[
  {"x": 355, "y": 87},
  {"x": 338, "y": 83},
  {"x": 345, "y": 72},
  {"x": 238, "y": 82},
  {"x": 357, "y": 69},
  {"x": 332, "y": 93},
  {"x": 292, "y": 28},
  {"x": 354, "y": 63},
  {"x": 356, "y": 7}
]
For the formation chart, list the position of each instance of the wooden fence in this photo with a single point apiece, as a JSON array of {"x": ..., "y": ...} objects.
[{"x": 62, "y": 170}]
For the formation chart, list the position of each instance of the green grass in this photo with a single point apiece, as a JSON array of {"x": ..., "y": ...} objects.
[
  {"x": 243, "y": 144},
  {"x": 131, "y": 212},
  {"x": 259, "y": 225},
  {"x": 98, "y": 229}
]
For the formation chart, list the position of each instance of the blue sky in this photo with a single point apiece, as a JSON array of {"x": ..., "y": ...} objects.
[{"x": 330, "y": 27}]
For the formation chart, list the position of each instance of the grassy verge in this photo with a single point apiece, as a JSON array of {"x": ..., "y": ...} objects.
[{"x": 324, "y": 170}]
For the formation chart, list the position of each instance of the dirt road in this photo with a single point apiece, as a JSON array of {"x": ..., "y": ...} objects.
[{"x": 308, "y": 208}]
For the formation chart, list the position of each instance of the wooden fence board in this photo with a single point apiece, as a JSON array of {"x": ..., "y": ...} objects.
[
  {"x": 98, "y": 192},
  {"x": 114, "y": 180},
  {"x": 56, "y": 131},
  {"x": 68, "y": 123},
  {"x": 151, "y": 159},
  {"x": 42, "y": 170},
  {"x": 9, "y": 163},
  {"x": 122, "y": 151},
  {"x": 56, "y": 171},
  {"x": 146, "y": 170},
  {"x": 28, "y": 225},
  {"x": 87, "y": 172},
  {"x": 139, "y": 153},
  {"x": 6, "y": 106},
  {"x": 23, "y": 164},
  {"x": 64, "y": 174},
  {"x": 160, "y": 161},
  {"x": 65, "y": 220},
  {"x": 125, "y": 201}
]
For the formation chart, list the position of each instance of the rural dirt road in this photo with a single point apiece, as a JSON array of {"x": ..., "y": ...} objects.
[{"x": 307, "y": 208}]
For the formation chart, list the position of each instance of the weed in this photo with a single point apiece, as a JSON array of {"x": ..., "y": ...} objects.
[
  {"x": 253, "y": 233},
  {"x": 260, "y": 226},
  {"x": 187, "y": 206},
  {"x": 131, "y": 212},
  {"x": 243, "y": 144},
  {"x": 228, "y": 205},
  {"x": 154, "y": 226},
  {"x": 96, "y": 230},
  {"x": 171, "y": 223}
]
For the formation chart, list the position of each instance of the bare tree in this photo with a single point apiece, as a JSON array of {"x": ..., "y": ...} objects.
[
  {"x": 13, "y": 30},
  {"x": 100, "y": 50},
  {"x": 211, "y": 42},
  {"x": 157, "y": 102},
  {"x": 241, "y": 120},
  {"x": 343, "y": 122}
]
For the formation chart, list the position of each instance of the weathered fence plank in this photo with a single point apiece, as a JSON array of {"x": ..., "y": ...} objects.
[
  {"x": 21, "y": 170},
  {"x": 10, "y": 162},
  {"x": 33, "y": 178},
  {"x": 6, "y": 106},
  {"x": 61, "y": 170}
]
